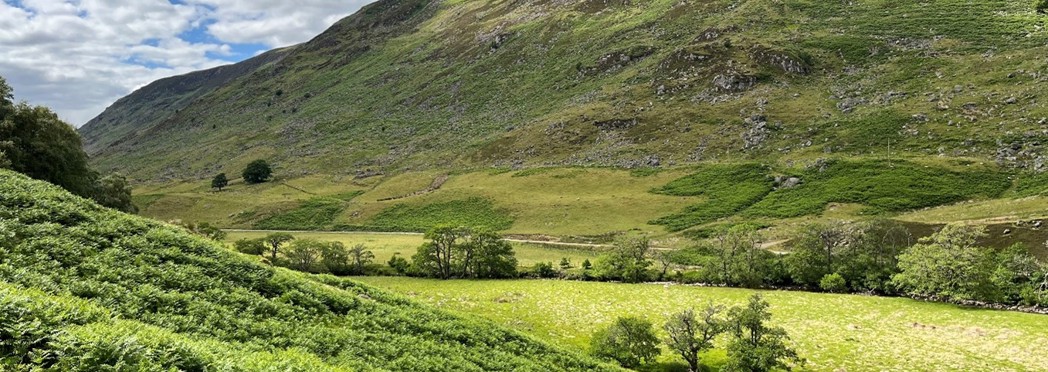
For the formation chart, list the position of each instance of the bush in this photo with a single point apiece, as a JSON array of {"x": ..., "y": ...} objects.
[
  {"x": 629, "y": 341},
  {"x": 250, "y": 246},
  {"x": 257, "y": 171},
  {"x": 1042, "y": 6},
  {"x": 833, "y": 283},
  {"x": 399, "y": 264},
  {"x": 543, "y": 270}
]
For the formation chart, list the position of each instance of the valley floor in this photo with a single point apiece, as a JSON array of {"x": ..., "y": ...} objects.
[{"x": 833, "y": 332}]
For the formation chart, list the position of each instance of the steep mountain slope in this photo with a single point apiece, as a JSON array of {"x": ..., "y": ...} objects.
[
  {"x": 84, "y": 288},
  {"x": 410, "y": 84},
  {"x": 156, "y": 102}
]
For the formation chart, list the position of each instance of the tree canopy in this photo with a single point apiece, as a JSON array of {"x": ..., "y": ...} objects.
[{"x": 257, "y": 171}]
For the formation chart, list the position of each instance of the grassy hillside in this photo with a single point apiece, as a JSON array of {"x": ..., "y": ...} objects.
[
  {"x": 87, "y": 288},
  {"x": 833, "y": 332},
  {"x": 414, "y": 84}
]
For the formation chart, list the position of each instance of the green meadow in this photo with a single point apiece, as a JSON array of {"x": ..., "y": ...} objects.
[{"x": 832, "y": 332}]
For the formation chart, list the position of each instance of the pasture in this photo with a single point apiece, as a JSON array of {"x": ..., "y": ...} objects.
[{"x": 833, "y": 332}]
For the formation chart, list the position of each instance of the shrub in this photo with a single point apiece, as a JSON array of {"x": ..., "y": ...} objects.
[
  {"x": 630, "y": 341},
  {"x": 833, "y": 283},
  {"x": 543, "y": 270},
  {"x": 250, "y": 246},
  {"x": 399, "y": 264},
  {"x": 1042, "y": 6}
]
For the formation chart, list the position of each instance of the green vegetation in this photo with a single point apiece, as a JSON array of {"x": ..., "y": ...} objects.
[
  {"x": 629, "y": 341},
  {"x": 831, "y": 331},
  {"x": 460, "y": 252},
  {"x": 219, "y": 182},
  {"x": 35, "y": 142},
  {"x": 314, "y": 214},
  {"x": 880, "y": 186},
  {"x": 729, "y": 189},
  {"x": 473, "y": 211},
  {"x": 452, "y": 86},
  {"x": 88, "y": 288},
  {"x": 257, "y": 171},
  {"x": 385, "y": 246}
]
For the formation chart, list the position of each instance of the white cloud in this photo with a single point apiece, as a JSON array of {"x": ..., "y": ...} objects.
[{"x": 78, "y": 56}]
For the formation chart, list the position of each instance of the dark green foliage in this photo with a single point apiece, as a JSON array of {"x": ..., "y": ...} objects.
[
  {"x": 899, "y": 186},
  {"x": 690, "y": 334},
  {"x": 543, "y": 270},
  {"x": 219, "y": 182},
  {"x": 84, "y": 288},
  {"x": 1041, "y": 6},
  {"x": 35, "y": 142},
  {"x": 730, "y": 189},
  {"x": 254, "y": 247},
  {"x": 627, "y": 261},
  {"x": 861, "y": 254},
  {"x": 40, "y": 145},
  {"x": 399, "y": 264},
  {"x": 460, "y": 252},
  {"x": 474, "y": 211},
  {"x": 586, "y": 265},
  {"x": 257, "y": 171},
  {"x": 314, "y": 214},
  {"x": 755, "y": 346},
  {"x": 629, "y": 341},
  {"x": 114, "y": 192}
]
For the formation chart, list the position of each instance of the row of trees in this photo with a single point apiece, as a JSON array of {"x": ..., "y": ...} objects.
[
  {"x": 752, "y": 345},
  {"x": 871, "y": 257},
  {"x": 35, "y": 142},
  {"x": 309, "y": 255},
  {"x": 257, "y": 171},
  {"x": 462, "y": 252}
]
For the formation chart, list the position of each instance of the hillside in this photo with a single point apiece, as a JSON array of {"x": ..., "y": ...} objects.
[
  {"x": 84, "y": 288},
  {"x": 413, "y": 84}
]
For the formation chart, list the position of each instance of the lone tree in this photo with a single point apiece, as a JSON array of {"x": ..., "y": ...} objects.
[
  {"x": 755, "y": 346},
  {"x": 691, "y": 334},
  {"x": 274, "y": 241},
  {"x": 257, "y": 171},
  {"x": 630, "y": 341},
  {"x": 219, "y": 182}
]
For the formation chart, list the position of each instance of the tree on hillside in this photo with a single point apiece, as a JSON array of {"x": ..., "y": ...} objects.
[
  {"x": 630, "y": 341},
  {"x": 689, "y": 335},
  {"x": 274, "y": 241},
  {"x": 257, "y": 171},
  {"x": 35, "y": 142},
  {"x": 755, "y": 346},
  {"x": 627, "y": 261},
  {"x": 219, "y": 182}
]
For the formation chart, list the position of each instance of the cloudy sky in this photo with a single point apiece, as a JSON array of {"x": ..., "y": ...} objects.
[{"x": 78, "y": 56}]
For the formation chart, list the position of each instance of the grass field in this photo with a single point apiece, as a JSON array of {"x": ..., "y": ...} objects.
[
  {"x": 833, "y": 332},
  {"x": 560, "y": 201},
  {"x": 386, "y": 245}
]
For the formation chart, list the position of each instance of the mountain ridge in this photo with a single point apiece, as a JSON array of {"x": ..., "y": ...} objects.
[{"x": 418, "y": 85}]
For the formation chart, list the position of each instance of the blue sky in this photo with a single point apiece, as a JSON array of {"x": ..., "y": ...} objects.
[{"x": 79, "y": 56}]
